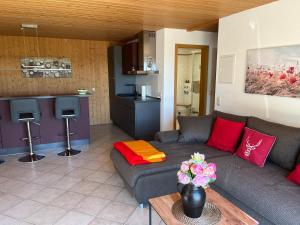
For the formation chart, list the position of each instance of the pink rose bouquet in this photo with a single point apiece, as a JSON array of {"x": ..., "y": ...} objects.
[{"x": 197, "y": 171}]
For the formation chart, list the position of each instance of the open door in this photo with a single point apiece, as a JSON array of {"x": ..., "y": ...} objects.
[{"x": 191, "y": 72}]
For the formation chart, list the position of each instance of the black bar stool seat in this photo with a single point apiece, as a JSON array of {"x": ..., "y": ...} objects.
[
  {"x": 67, "y": 107},
  {"x": 26, "y": 111}
]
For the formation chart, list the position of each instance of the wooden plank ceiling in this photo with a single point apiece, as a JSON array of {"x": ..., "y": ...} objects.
[{"x": 115, "y": 19}]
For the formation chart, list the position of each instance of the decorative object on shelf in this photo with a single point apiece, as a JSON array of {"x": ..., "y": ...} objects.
[
  {"x": 211, "y": 214},
  {"x": 274, "y": 71},
  {"x": 46, "y": 67},
  {"x": 195, "y": 174},
  {"x": 82, "y": 91}
]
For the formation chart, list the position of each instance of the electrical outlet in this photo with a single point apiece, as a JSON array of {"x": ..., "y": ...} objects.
[{"x": 218, "y": 101}]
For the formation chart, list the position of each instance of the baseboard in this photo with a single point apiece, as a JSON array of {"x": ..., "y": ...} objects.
[{"x": 41, "y": 147}]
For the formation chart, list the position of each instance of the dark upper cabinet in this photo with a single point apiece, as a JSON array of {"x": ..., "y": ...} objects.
[
  {"x": 117, "y": 81},
  {"x": 130, "y": 57}
]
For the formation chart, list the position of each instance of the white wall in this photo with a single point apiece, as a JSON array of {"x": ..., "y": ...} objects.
[
  {"x": 165, "y": 54},
  {"x": 275, "y": 24}
]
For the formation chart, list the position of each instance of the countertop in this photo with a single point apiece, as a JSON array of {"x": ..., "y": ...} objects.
[
  {"x": 138, "y": 99},
  {"x": 43, "y": 96}
]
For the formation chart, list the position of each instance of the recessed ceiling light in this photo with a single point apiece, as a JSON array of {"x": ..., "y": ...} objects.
[{"x": 29, "y": 26}]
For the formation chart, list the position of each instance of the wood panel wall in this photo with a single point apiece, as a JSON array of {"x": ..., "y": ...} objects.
[{"x": 89, "y": 70}]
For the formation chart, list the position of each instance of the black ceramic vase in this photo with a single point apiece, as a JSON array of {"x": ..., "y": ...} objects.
[{"x": 193, "y": 200}]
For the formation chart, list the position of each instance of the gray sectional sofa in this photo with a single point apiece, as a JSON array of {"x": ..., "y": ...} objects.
[{"x": 263, "y": 193}]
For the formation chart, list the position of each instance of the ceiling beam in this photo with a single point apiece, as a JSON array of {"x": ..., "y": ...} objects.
[{"x": 208, "y": 26}]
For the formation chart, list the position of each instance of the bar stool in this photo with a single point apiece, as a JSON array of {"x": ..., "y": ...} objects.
[
  {"x": 67, "y": 108},
  {"x": 26, "y": 111}
]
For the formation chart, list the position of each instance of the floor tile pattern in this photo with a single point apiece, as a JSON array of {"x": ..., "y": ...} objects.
[{"x": 80, "y": 190}]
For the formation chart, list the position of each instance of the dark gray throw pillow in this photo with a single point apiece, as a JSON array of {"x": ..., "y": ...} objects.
[
  {"x": 286, "y": 148},
  {"x": 228, "y": 116},
  {"x": 195, "y": 129}
]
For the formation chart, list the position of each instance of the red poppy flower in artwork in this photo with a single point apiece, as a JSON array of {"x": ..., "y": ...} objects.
[
  {"x": 291, "y": 70},
  {"x": 271, "y": 74},
  {"x": 282, "y": 76},
  {"x": 292, "y": 80}
]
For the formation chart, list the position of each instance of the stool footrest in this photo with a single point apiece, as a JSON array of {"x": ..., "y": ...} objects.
[
  {"x": 33, "y": 138},
  {"x": 64, "y": 135}
]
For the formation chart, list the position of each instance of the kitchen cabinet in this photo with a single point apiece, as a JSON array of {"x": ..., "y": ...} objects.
[
  {"x": 139, "y": 118},
  {"x": 130, "y": 57},
  {"x": 13, "y": 133},
  {"x": 117, "y": 80},
  {"x": 51, "y": 131},
  {"x": 50, "y": 123}
]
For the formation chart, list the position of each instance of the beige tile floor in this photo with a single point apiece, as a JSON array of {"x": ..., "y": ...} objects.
[{"x": 80, "y": 190}]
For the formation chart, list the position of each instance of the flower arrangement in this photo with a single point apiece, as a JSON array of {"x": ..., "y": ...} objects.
[{"x": 197, "y": 171}]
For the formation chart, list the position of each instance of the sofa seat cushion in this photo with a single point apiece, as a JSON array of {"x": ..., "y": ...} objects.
[
  {"x": 176, "y": 153},
  {"x": 286, "y": 148},
  {"x": 266, "y": 190}
]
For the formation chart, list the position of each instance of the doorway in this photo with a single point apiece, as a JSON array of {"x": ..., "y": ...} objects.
[{"x": 190, "y": 91}]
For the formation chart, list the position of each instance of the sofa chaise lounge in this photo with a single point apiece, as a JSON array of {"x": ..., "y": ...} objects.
[{"x": 264, "y": 193}]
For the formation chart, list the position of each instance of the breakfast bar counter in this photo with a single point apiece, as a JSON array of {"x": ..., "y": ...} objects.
[
  {"x": 50, "y": 131},
  {"x": 42, "y": 96}
]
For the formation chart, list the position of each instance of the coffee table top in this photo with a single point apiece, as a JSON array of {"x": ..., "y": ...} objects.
[{"x": 231, "y": 214}]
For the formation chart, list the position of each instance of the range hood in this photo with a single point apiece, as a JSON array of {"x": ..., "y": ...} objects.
[{"x": 146, "y": 53}]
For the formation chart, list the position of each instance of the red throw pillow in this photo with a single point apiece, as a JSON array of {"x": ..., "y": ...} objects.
[
  {"x": 225, "y": 134},
  {"x": 255, "y": 146},
  {"x": 295, "y": 175}
]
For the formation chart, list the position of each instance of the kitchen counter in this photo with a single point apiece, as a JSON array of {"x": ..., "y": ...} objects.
[
  {"x": 50, "y": 131},
  {"x": 139, "y": 118},
  {"x": 138, "y": 99},
  {"x": 42, "y": 96}
]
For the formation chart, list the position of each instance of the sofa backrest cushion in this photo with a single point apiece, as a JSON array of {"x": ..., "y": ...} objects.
[
  {"x": 255, "y": 146},
  {"x": 195, "y": 129},
  {"x": 294, "y": 176},
  {"x": 229, "y": 116},
  {"x": 225, "y": 134},
  {"x": 286, "y": 148}
]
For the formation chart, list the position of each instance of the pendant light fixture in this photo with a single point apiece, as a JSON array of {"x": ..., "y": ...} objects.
[{"x": 33, "y": 27}]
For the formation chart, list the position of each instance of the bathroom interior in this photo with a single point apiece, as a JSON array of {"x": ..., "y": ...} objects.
[{"x": 188, "y": 82}]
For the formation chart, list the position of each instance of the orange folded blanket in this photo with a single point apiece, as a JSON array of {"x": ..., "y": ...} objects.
[{"x": 139, "y": 152}]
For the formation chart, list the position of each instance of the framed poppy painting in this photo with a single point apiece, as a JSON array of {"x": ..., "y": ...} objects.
[{"x": 274, "y": 71}]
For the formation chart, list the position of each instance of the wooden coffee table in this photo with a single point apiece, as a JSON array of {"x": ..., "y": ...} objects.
[{"x": 231, "y": 214}]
